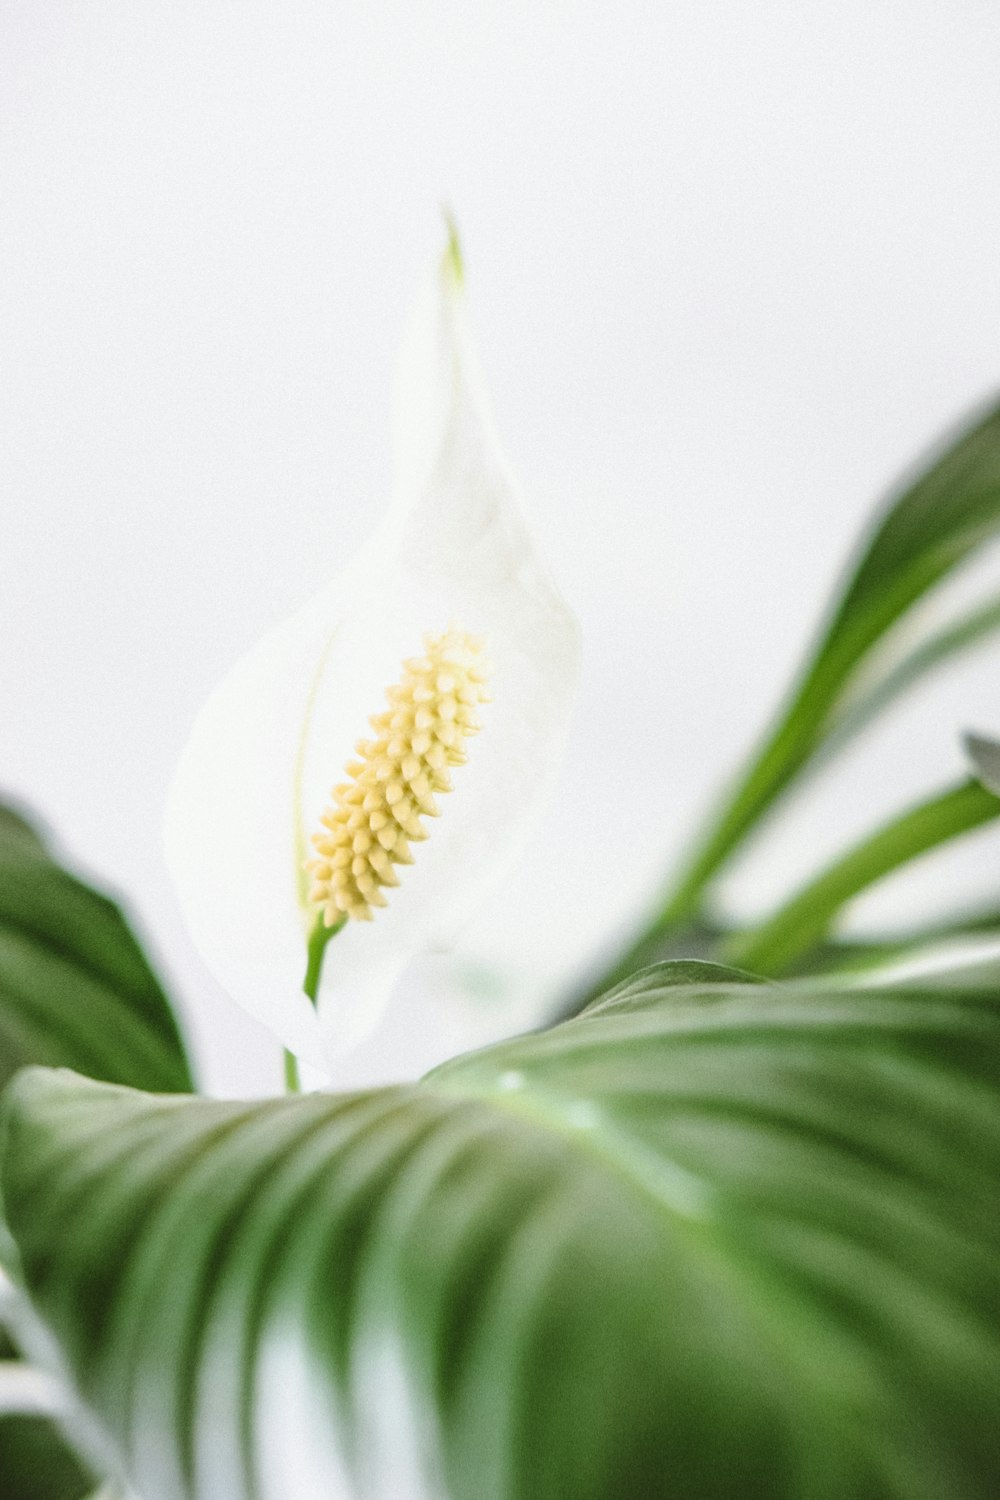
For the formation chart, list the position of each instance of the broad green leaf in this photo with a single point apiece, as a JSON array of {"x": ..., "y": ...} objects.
[
  {"x": 714, "y": 1239},
  {"x": 36, "y": 1464},
  {"x": 75, "y": 988},
  {"x": 985, "y": 757},
  {"x": 805, "y": 919},
  {"x": 16, "y": 830}
]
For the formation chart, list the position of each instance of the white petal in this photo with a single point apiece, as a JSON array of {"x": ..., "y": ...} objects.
[{"x": 276, "y": 735}]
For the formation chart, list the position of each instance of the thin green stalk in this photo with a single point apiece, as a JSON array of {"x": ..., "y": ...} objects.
[
  {"x": 804, "y": 920},
  {"x": 293, "y": 1082},
  {"x": 315, "y": 953},
  {"x": 318, "y": 939}
]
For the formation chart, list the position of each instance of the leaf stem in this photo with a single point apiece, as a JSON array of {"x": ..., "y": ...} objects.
[{"x": 807, "y": 916}]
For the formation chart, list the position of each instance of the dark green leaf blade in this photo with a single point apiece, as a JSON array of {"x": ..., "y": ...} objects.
[
  {"x": 946, "y": 512},
  {"x": 849, "y": 955},
  {"x": 932, "y": 526},
  {"x": 75, "y": 987},
  {"x": 36, "y": 1464},
  {"x": 736, "y": 1241},
  {"x": 853, "y": 673},
  {"x": 899, "y": 673},
  {"x": 805, "y": 919}
]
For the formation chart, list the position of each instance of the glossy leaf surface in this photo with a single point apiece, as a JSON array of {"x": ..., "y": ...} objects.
[{"x": 711, "y": 1238}]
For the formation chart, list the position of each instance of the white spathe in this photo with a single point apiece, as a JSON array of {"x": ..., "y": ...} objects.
[{"x": 276, "y": 734}]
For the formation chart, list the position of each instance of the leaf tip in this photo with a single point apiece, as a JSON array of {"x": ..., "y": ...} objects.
[{"x": 984, "y": 754}]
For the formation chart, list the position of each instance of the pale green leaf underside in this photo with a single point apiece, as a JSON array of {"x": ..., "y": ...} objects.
[{"x": 716, "y": 1240}]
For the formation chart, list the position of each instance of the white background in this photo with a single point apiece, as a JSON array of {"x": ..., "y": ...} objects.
[{"x": 733, "y": 266}]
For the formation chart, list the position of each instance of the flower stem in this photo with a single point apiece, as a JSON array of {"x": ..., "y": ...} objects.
[
  {"x": 293, "y": 1083},
  {"x": 315, "y": 951},
  {"x": 318, "y": 939}
]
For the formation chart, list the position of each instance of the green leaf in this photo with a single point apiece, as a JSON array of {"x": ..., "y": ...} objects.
[
  {"x": 75, "y": 988},
  {"x": 36, "y": 1464},
  {"x": 859, "y": 666},
  {"x": 719, "y": 1239},
  {"x": 849, "y": 954},
  {"x": 16, "y": 830},
  {"x": 936, "y": 523},
  {"x": 806, "y": 917},
  {"x": 897, "y": 674}
]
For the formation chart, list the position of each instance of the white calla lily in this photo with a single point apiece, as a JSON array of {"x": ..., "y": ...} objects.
[{"x": 246, "y": 806}]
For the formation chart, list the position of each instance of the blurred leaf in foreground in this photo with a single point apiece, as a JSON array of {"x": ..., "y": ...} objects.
[
  {"x": 75, "y": 987},
  {"x": 713, "y": 1237}
]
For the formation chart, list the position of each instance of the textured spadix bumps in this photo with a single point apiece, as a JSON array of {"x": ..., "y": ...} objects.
[{"x": 367, "y": 830}]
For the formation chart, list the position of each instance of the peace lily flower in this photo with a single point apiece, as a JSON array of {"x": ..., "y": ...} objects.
[{"x": 374, "y": 764}]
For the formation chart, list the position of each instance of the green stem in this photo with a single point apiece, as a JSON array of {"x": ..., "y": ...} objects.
[
  {"x": 318, "y": 939},
  {"x": 807, "y": 916},
  {"x": 315, "y": 953},
  {"x": 293, "y": 1083}
]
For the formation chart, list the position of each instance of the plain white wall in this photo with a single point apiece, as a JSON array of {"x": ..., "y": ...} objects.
[{"x": 732, "y": 265}]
